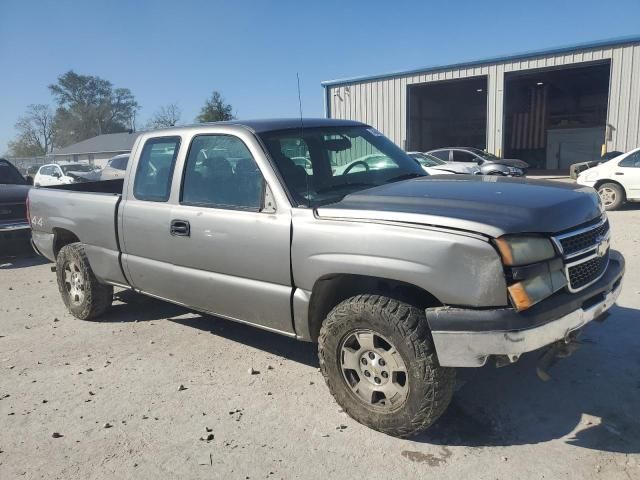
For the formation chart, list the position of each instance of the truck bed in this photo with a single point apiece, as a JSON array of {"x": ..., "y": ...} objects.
[{"x": 87, "y": 211}]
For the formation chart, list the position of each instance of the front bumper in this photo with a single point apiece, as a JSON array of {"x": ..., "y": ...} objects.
[{"x": 467, "y": 338}]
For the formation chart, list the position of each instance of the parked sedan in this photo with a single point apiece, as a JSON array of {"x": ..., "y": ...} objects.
[
  {"x": 489, "y": 164},
  {"x": 54, "y": 174},
  {"x": 113, "y": 170},
  {"x": 436, "y": 166},
  {"x": 15, "y": 233},
  {"x": 617, "y": 181}
]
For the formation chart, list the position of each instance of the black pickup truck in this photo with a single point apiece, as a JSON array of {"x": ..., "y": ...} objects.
[{"x": 15, "y": 232}]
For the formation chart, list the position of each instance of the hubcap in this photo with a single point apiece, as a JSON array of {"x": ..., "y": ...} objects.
[
  {"x": 607, "y": 195},
  {"x": 74, "y": 282},
  {"x": 374, "y": 370}
]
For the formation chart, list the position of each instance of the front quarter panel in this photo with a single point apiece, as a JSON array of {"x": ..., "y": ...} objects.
[{"x": 455, "y": 267}]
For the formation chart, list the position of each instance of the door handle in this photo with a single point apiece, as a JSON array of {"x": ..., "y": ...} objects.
[
  {"x": 619, "y": 173},
  {"x": 180, "y": 228}
]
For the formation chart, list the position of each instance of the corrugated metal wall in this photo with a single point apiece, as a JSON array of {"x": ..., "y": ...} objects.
[{"x": 382, "y": 102}]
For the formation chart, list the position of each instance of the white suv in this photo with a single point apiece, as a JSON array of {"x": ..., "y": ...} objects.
[{"x": 617, "y": 181}]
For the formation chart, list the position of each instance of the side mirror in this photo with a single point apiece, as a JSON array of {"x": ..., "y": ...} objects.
[
  {"x": 29, "y": 179},
  {"x": 480, "y": 162},
  {"x": 56, "y": 174}
]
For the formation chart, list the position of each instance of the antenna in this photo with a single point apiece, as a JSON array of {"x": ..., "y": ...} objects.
[
  {"x": 299, "y": 99},
  {"x": 306, "y": 176}
]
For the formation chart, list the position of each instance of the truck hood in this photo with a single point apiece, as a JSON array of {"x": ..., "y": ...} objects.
[
  {"x": 489, "y": 205},
  {"x": 13, "y": 193}
]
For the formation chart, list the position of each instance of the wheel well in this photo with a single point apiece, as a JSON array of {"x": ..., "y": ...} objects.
[
  {"x": 599, "y": 183},
  {"x": 62, "y": 238},
  {"x": 329, "y": 291}
]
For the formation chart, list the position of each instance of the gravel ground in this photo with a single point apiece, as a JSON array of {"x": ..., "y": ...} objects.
[{"x": 155, "y": 391}]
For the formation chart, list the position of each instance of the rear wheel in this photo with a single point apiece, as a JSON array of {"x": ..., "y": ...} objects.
[
  {"x": 378, "y": 360},
  {"x": 84, "y": 296},
  {"x": 612, "y": 195}
]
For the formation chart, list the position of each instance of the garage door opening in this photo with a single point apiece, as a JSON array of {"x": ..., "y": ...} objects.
[
  {"x": 448, "y": 114},
  {"x": 554, "y": 118}
]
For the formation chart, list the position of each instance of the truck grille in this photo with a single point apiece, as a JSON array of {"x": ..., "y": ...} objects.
[
  {"x": 582, "y": 241},
  {"x": 586, "y": 253},
  {"x": 13, "y": 211},
  {"x": 587, "y": 272}
]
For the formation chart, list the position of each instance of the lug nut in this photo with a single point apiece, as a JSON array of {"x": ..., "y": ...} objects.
[
  {"x": 372, "y": 355},
  {"x": 377, "y": 380},
  {"x": 363, "y": 361},
  {"x": 381, "y": 362},
  {"x": 366, "y": 373},
  {"x": 385, "y": 375}
]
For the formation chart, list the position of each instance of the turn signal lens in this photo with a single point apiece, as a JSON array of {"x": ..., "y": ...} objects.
[{"x": 519, "y": 296}]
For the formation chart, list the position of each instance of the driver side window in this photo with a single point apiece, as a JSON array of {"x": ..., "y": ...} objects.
[
  {"x": 632, "y": 161},
  {"x": 462, "y": 156}
]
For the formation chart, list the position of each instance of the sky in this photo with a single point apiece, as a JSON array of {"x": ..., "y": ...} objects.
[{"x": 180, "y": 51}]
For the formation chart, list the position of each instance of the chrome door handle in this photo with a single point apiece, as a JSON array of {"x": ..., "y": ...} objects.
[{"x": 180, "y": 228}]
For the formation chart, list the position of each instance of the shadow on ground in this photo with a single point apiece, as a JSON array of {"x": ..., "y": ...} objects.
[
  {"x": 10, "y": 263},
  {"x": 591, "y": 401}
]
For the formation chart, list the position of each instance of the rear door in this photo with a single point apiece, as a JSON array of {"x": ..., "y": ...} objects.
[
  {"x": 146, "y": 215},
  {"x": 231, "y": 255}
]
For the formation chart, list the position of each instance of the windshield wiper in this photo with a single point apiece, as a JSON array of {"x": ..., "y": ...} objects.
[
  {"x": 340, "y": 186},
  {"x": 405, "y": 176}
]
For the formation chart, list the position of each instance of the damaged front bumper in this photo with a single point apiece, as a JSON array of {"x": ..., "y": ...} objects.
[{"x": 469, "y": 337}]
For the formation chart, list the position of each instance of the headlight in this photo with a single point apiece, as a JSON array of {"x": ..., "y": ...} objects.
[
  {"x": 588, "y": 175},
  {"x": 516, "y": 250},
  {"x": 535, "y": 270}
]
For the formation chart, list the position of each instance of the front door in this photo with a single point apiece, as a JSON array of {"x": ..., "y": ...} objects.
[
  {"x": 628, "y": 173},
  {"x": 230, "y": 255}
]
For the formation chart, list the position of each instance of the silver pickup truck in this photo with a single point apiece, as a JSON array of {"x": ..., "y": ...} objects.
[{"x": 285, "y": 225}]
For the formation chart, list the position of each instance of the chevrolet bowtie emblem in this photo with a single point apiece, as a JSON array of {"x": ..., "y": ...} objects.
[{"x": 602, "y": 246}]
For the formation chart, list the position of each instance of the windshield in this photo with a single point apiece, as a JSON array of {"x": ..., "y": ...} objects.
[
  {"x": 76, "y": 167},
  {"x": 322, "y": 165},
  {"x": 483, "y": 154},
  {"x": 9, "y": 175},
  {"x": 426, "y": 160}
]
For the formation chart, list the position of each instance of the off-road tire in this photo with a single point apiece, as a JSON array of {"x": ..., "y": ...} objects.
[
  {"x": 97, "y": 296},
  {"x": 618, "y": 191},
  {"x": 430, "y": 385}
]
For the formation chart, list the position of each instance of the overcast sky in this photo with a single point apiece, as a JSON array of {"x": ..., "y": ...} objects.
[{"x": 179, "y": 51}]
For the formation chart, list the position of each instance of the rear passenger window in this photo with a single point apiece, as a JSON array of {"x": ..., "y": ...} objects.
[
  {"x": 155, "y": 169},
  {"x": 220, "y": 172}
]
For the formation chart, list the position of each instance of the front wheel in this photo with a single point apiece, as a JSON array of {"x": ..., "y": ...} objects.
[
  {"x": 612, "y": 195},
  {"x": 379, "y": 362},
  {"x": 84, "y": 296}
]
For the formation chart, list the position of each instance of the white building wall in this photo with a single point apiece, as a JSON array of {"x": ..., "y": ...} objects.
[{"x": 382, "y": 102}]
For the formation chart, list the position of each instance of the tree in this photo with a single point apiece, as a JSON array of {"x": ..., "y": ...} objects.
[
  {"x": 37, "y": 132},
  {"x": 166, "y": 116},
  {"x": 90, "y": 106},
  {"x": 215, "y": 109}
]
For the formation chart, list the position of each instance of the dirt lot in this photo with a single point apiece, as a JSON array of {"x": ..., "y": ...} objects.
[{"x": 112, "y": 391}]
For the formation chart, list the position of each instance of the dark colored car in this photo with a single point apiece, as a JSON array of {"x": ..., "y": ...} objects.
[
  {"x": 489, "y": 164},
  {"x": 15, "y": 232}
]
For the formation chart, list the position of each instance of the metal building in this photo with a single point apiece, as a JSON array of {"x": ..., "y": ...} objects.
[{"x": 550, "y": 108}]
